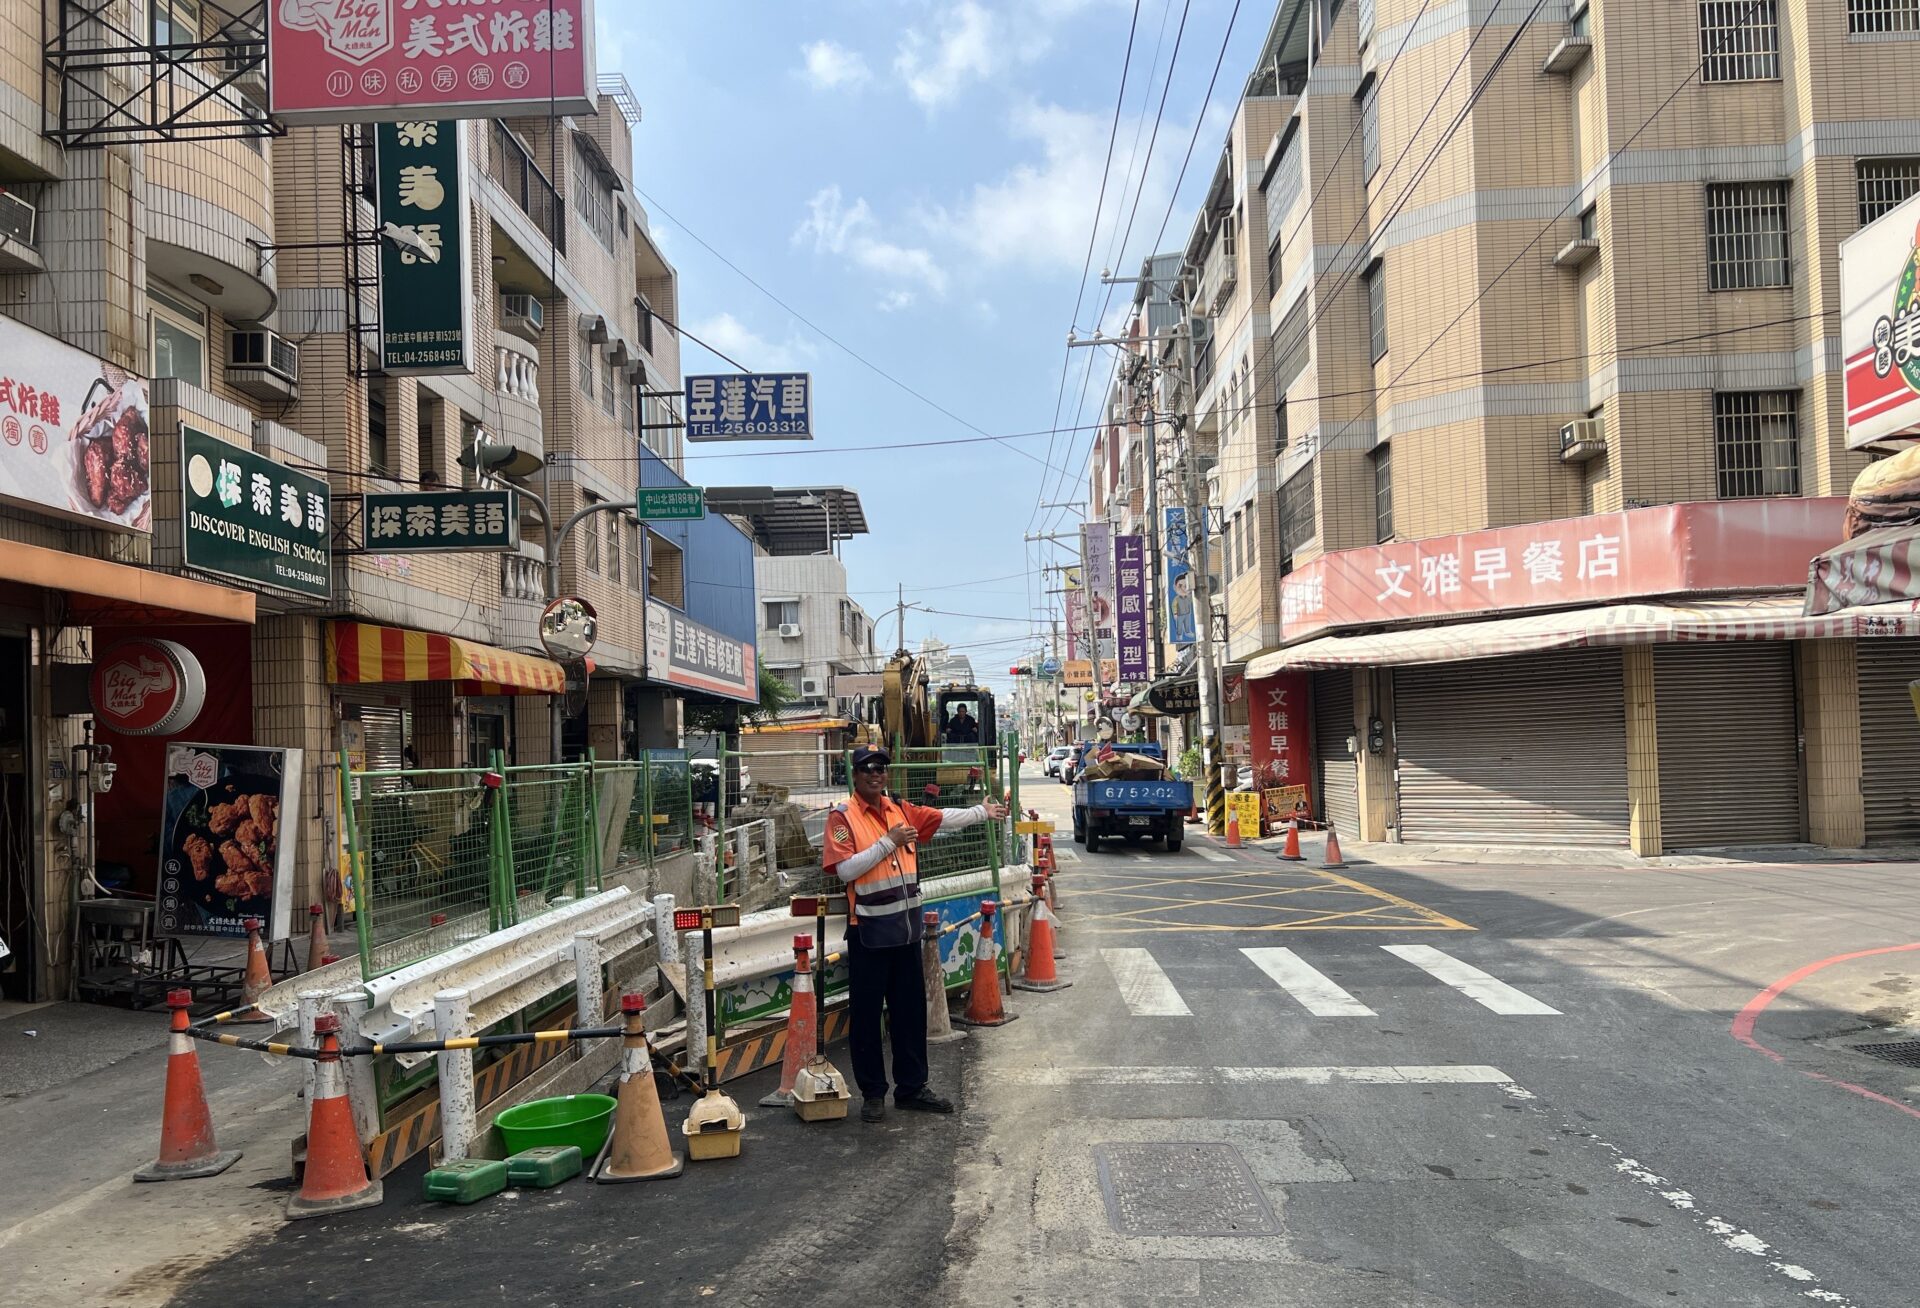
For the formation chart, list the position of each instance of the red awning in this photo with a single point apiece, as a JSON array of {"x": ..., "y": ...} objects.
[
  {"x": 359, "y": 653},
  {"x": 1873, "y": 568}
]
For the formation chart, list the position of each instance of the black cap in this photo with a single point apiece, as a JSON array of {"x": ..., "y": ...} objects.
[{"x": 866, "y": 754}]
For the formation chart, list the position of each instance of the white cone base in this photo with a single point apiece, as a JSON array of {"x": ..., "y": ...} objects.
[
  {"x": 367, "y": 1198},
  {"x": 212, "y": 1165}
]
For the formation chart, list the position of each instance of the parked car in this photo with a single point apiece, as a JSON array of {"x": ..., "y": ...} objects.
[{"x": 1056, "y": 756}]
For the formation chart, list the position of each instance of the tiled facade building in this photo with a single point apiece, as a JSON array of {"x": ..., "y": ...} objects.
[
  {"x": 222, "y": 269},
  {"x": 1489, "y": 286}
]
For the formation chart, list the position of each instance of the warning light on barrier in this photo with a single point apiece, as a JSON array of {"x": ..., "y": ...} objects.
[
  {"x": 687, "y": 919},
  {"x": 633, "y": 1002},
  {"x": 492, "y": 780}
]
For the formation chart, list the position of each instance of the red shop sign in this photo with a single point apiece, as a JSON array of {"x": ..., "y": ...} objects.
[{"x": 147, "y": 687}]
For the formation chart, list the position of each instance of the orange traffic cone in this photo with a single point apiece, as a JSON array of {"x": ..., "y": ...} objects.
[
  {"x": 801, "y": 1043},
  {"x": 1291, "y": 850},
  {"x": 186, "y": 1127},
  {"x": 1233, "y": 828},
  {"x": 934, "y": 977},
  {"x": 317, "y": 938},
  {"x": 638, "y": 1149},
  {"x": 1330, "y": 858},
  {"x": 335, "y": 1179},
  {"x": 983, "y": 1000},
  {"x": 259, "y": 977},
  {"x": 1040, "y": 974}
]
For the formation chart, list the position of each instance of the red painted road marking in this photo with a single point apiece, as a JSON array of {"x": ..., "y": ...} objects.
[{"x": 1743, "y": 1023}]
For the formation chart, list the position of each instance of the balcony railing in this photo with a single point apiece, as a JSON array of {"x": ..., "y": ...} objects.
[
  {"x": 520, "y": 177},
  {"x": 645, "y": 314},
  {"x": 519, "y": 375}
]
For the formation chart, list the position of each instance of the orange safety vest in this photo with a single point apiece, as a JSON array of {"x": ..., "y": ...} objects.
[{"x": 885, "y": 899}]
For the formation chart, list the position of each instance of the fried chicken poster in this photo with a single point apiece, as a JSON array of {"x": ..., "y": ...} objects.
[{"x": 228, "y": 834}]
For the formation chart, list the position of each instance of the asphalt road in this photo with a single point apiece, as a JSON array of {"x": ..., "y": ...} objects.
[{"x": 1408, "y": 1086}]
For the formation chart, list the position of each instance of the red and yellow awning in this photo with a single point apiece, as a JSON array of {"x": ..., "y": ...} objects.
[{"x": 361, "y": 653}]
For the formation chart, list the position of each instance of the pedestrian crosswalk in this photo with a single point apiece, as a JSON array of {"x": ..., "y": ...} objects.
[{"x": 1147, "y": 990}]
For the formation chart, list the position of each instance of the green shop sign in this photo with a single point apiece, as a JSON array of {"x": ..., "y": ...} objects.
[
  {"x": 251, "y": 519},
  {"x": 667, "y": 503},
  {"x": 426, "y": 312},
  {"x": 421, "y": 522}
]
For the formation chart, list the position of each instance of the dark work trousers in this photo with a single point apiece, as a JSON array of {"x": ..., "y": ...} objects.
[{"x": 891, "y": 977}]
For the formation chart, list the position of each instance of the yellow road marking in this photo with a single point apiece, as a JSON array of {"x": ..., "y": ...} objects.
[{"x": 1419, "y": 917}]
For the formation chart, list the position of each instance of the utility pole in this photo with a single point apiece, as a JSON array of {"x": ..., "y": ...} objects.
[{"x": 1203, "y": 590}]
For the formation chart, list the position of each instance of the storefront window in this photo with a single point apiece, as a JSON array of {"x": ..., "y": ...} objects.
[{"x": 179, "y": 337}]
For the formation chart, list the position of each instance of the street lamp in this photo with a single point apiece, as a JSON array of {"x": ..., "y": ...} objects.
[{"x": 813, "y": 501}]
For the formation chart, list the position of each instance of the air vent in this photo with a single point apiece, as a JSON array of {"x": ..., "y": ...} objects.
[{"x": 17, "y": 218}]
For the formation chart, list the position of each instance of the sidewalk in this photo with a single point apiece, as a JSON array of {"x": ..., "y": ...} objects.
[
  {"x": 1394, "y": 854},
  {"x": 80, "y": 1101}
]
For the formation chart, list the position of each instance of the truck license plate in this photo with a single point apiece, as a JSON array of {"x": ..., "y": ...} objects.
[{"x": 1139, "y": 821}]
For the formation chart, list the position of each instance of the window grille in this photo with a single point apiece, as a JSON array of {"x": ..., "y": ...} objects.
[
  {"x": 1883, "y": 184},
  {"x": 1756, "y": 439},
  {"x": 1868, "y": 17},
  {"x": 1747, "y": 236},
  {"x": 1739, "y": 40}
]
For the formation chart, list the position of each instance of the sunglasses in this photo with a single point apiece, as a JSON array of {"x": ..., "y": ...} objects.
[{"x": 872, "y": 769}]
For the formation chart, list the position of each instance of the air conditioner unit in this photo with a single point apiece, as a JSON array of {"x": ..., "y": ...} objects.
[
  {"x": 789, "y": 629},
  {"x": 1581, "y": 440},
  {"x": 264, "y": 364},
  {"x": 247, "y": 66},
  {"x": 522, "y": 315},
  {"x": 17, "y": 218},
  {"x": 812, "y": 688}
]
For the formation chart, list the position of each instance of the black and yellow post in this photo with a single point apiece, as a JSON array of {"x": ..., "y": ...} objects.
[
  {"x": 715, "y": 1122},
  {"x": 1216, "y": 791}
]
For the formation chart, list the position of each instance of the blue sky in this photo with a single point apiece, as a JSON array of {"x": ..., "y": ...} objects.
[{"x": 918, "y": 179}]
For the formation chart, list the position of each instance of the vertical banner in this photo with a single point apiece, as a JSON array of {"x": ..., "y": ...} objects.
[
  {"x": 1277, "y": 732},
  {"x": 426, "y": 311},
  {"x": 1180, "y": 579},
  {"x": 1096, "y": 556},
  {"x": 1076, "y": 614},
  {"x": 1130, "y": 567}
]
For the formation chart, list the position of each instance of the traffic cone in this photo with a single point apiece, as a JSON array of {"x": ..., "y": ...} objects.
[
  {"x": 983, "y": 1001},
  {"x": 317, "y": 938},
  {"x": 1040, "y": 974},
  {"x": 801, "y": 1044},
  {"x": 186, "y": 1126},
  {"x": 934, "y": 977},
  {"x": 639, "y": 1149},
  {"x": 1233, "y": 828},
  {"x": 335, "y": 1179},
  {"x": 1291, "y": 850},
  {"x": 258, "y": 979},
  {"x": 1330, "y": 857}
]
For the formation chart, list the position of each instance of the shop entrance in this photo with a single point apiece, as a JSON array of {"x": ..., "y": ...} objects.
[{"x": 22, "y": 915}]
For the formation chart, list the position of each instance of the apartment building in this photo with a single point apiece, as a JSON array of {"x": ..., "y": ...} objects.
[
  {"x": 1545, "y": 395},
  {"x": 192, "y": 406}
]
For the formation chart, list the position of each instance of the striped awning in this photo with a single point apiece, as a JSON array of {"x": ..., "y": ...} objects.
[
  {"x": 1873, "y": 568},
  {"x": 361, "y": 653},
  {"x": 1612, "y": 624}
]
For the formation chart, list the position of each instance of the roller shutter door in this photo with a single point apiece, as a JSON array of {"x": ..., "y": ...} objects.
[
  {"x": 1332, "y": 724},
  {"x": 1889, "y": 741},
  {"x": 1729, "y": 745},
  {"x": 792, "y": 759},
  {"x": 1530, "y": 750}
]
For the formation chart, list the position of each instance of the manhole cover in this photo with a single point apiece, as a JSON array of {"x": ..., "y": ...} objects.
[
  {"x": 1181, "y": 1189},
  {"x": 1904, "y": 1052}
]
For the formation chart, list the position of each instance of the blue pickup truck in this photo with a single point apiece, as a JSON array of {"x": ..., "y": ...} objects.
[{"x": 1131, "y": 809}]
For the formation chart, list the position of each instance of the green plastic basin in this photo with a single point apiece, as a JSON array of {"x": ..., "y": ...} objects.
[{"x": 582, "y": 1121}]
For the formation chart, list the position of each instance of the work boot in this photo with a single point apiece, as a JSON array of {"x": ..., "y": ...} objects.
[
  {"x": 874, "y": 1110},
  {"x": 922, "y": 1100}
]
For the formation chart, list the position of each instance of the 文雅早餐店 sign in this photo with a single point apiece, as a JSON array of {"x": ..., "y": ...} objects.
[{"x": 343, "y": 61}]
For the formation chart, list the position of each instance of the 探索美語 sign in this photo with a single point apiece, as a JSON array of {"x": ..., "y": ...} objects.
[
  {"x": 426, "y": 312},
  {"x": 419, "y": 522},
  {"x": 745, "y": 406},
  {"x": 246, "y": 517}
]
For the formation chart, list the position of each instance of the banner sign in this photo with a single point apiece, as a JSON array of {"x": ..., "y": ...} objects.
[
  {"x": 749, "y": 406},
  {"x": 1130, "y": 568},
  {"x": 1277, "y": 729},
  {"x": 229, "y": 828},
  {"x": 246, "y": 517},
  {"x": 1079, "y": 672},
  {"x": 1096, "y": 556},
  {"x": 1176, "y": 698},
  {"x": 418, "y": 522},
  {"x": 670, "y": 503},
  {"x": 1244, "y": 807},
  {"x": 344, "y": 61},
  {"x": 681, "y": 652},
  {"x": 1702, "y": 547},
  {"x": 426, "y": 310},
  {"x": 1180, "y": 579},
  {"x": 73, "y": 433},
  {"x": 1880, "y": 326}
]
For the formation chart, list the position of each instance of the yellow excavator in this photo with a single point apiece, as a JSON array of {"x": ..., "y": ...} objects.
[{"x": 914, "y": 712}]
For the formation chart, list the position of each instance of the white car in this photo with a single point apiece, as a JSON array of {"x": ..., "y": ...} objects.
[{"x": 1055, "y": 757}]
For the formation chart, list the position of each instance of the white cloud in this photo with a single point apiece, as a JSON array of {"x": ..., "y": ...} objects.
[
  {"x": 830, "y": 66},
  {"x": 729, "y": 335},
  {"x": 835, "y": 227},
  {"x": 968, "y": 46},
  {"x": 894, "y": 301}
]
